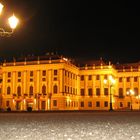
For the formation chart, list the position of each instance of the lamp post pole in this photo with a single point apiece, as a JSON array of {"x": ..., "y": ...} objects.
[
  {"x": 111, "y": 82},
  {"x": 111, "y": 108},
  {"x": 130, "y": 93}
]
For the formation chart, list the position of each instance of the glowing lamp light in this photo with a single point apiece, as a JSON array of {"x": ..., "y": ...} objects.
[
  {"x": 13, "y": 21},
  {"x": 1, "y": 7}
]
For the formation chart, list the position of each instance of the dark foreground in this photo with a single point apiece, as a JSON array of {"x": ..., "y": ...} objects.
[{"x": 70, "y": 126}]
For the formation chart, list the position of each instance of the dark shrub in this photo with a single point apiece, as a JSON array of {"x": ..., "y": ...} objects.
[
  {"x": 9, "y": 109},
  {"x": 29, "y": 109}
]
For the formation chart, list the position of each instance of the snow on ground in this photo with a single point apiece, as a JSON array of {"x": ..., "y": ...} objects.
[{"x": 70, "y": 126}]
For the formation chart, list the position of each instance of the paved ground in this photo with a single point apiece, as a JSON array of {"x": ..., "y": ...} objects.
[{"x": 70, "y": 126}]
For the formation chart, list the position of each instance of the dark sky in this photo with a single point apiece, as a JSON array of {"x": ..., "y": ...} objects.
[{"x": 76, "y": 28}]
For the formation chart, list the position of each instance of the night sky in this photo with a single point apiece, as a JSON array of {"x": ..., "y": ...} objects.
[{"x": 79, "y": 29}]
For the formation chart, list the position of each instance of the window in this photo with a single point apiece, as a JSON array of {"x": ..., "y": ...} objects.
[
  {"x": 19, "y": 80},
  {"x": 120, "y": 92},
  {"x": 128, "y": 104},
  {"x": 82, "y": 77},
  {"x": 121, "y": 104},
  {"x": 8, "y": 90},
  {"x": 82, "y": 92},
  {"x": 98, "y": 91},
  {"x": 31, "y": 90},
  {"x": 19, "y": 74},
  {"x": 65, "y": 88},
  {"x": 55, "y": 79},
  {"x": 55, "y": 89},
  {"x": 120, "y": 79},
  {"x": 89, "y": 104},
  {"x": 106, "y": 91},
  {"x": 90, "y": 92},
  {"x": 0, "y": 90},
  {"x": 128, "y": 79},
  {"x": 31, "y": 73},
  {"x": 8, "y": 80},
  {"x": 105, "y": 77},
  {"x": 54, "y": 102},
  {"x": 90, "y": 77},
  {"x": 135, "y": 79},
  {"x": 7, "y": 103},
  {"x": 82, "y": 104},
  {"x": 0, "y": 80},
  {"x": 31, "y": 79},
  {"x": 9, "y": 74},
  {"x": 136, "y": 91},
  {"x": 55, "y": 72},
  {"x": 43, "y": 73},
  {"x": 44, "y": 89},
  {"x": 127, "y": 89},
  {"x": 19, "y": 91},
  {"x": 105, "y": 104},
  {"x": 97, "y": 104},
  {"x": 97, "y": 77},
  {"x": 43, "y": 79}
]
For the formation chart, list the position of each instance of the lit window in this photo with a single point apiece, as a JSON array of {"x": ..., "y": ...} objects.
[
  {"x": 89, "y": 104},
  {"x": 98, "y": 91},
  {"x": 54, "y": 102},
  {"x": 44, "y": 89},
  {"x": 19, "y": 91},
  {"x": 43, "y": 73},
  {"x": 8, "y": 90},
  {"x": 128, "y": 79},
  {"x": 136, "y": 91},
  {"x": 121, "y": 104},
  {"x": 31, "y": 73},
  {"x": 55, "y": 72},
  {"x": 9, "y": 74},
  {"x": 97, "y": 77},
  {"x": 90, "y": 77},
  {"x": 19, "y": 74},
  {"x": 82, "y": 104},
  {"x": 105, "y": 104},
  {"x": 82, "y": 92},
  {"x": 55, "y": 89},
  {"x": 90, "y": 92},
  {"x": 31, "y": 90},
  {"x": 106, "y": 91},
  {"x": 120, "y": 79},
  {"x": 82, "y": 77},
  {"x": 97, "y": 104},
  {"x": 135, "y": 79}
]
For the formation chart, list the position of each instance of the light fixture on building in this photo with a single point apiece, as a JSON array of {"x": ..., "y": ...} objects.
[{"x": 13, "y": 22}]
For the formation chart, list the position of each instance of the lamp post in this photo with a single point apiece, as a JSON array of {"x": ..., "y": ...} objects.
[
  {"x": 130, "y": 93},
  {"x": 111, "y": 81},
  {"x": 13, "y": 22}
]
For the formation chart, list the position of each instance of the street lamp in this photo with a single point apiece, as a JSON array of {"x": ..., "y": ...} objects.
[
  {"x": 111, "y": 81},
  {"x": 130, "y": 93},
  {"x": 13, "y": 22}
]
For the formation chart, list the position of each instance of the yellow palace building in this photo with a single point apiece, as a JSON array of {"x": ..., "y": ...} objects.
[{"x": 54, "y": 83}]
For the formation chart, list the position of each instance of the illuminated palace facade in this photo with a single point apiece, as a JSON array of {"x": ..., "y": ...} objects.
[{"x": 56, "y": 84}]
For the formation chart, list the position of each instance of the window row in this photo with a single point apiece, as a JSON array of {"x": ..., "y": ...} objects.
[
  {"x": 31, "y": 90},
  {"x": 9, "y": 74},
  {"x": 128, "y": 79},
  {"x": 98, "y": 92},
  {"x": 70, "y": 75},
  {"x": 82, "y": 77},
  {"x": 127, "y": 89},
  {"x": 70, "y": 90},
  {"x": 90, "y": 104}
]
